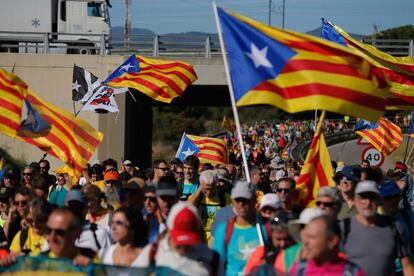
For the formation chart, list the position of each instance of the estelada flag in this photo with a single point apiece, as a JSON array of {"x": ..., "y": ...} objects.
[
  {"x": 297, "y": 72},
  {"x": 317, "y": 170},
  {"x": 46, "y": 126},
  {"x": 162, "y": 80},
  {"x": 395, "y": 72}
]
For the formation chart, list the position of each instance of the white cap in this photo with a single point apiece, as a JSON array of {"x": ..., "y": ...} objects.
[
  {"x": 305, "y": 217},
  {"x": 367, "y": 186},
  {"x": 271, "y": 200}
]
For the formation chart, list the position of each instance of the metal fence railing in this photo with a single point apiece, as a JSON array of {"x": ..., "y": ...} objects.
[
  {"x": 192, "y": 45},
  {"x": 45, "y": 43}
]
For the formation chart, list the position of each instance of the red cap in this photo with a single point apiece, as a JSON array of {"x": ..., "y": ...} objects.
[
  {"x": 400, "y": 166},
  {"x": 184, "y": 224},
  {"x": 111, "y": 175}
]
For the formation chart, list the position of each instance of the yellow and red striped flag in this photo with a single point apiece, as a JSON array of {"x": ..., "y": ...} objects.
[
  {"x": 207, "y": 149},
  {"x": 228, "y": 124},
  {"x": 64, "y": 136},
  {"x": 317, "y": 170},
  {"x": 297, "y": 72},
  {"x": 384, "y": 135},
  {"x": 396, "y": 72},
  {"x": 162, "y": 80}
]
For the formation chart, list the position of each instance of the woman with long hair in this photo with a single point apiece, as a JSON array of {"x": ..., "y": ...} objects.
[{"x": 129, "y": 235}]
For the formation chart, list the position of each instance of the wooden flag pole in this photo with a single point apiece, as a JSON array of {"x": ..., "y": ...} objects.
[
  {"x": 230, "y": 85},
  {"x": 406, "y": 148}
]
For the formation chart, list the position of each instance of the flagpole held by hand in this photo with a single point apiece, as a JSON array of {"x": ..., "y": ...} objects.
[{"x": 233, "y": 101}]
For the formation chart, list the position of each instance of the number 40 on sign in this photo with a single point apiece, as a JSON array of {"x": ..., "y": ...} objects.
[{"x": 374, "y": 157}]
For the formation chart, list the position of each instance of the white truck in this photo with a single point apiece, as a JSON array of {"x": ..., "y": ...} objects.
[{"x": 72, "y": 26}]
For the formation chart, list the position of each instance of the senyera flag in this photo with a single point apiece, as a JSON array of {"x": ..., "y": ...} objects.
[
  {"x": 46, "y": 126},
  {"x": 397, "y": 73},
  {"x": 317, "y": 170},
  {"x": 207, "y": 149},
  {"x": 297, "y": 72},
  {"x": 162, "y": 80}
]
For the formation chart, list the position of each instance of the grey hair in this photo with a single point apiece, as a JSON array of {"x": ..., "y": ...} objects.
[
  {"x": 327, "y": 191},
  {"x": 208, "y": 177}
]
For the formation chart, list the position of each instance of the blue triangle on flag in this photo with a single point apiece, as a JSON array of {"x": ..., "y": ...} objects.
[
  {"x": 130, "y": 65},
  {"x": 186, "y": 148},
  {"x": 364, "y": 124},
  {"x": 34, "y": 122}
]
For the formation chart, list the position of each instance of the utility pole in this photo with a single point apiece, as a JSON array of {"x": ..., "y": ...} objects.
[
  {"x": 270, "y": 12},
  {"x": 127, "y": 29},
  {"x": 283, "y": 14}
]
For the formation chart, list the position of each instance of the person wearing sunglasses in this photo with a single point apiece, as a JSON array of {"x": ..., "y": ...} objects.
[
  {"x": 28, "y": 177},
  {"x": 32, "y": 238},
  {"x": 351, "y": 175},
  {"x": 160, "y": 169},
  {"x": 129, "y": 236},
  {"x": 152, "y": 214},
  {"x": 16, "y": 212},
  {"x": 327, "y": 199},
  {"x": 285, "y": 190},
  {"x": 269, "y": 204},
  {"x": 179, "y": 173}
]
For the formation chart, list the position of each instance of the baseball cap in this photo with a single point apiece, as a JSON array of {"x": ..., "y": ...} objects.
[
  {"x": 12, "y": 173},
  {"x": 352, "y": 173},
  {"x": 305, "y": 217},
  {"x": 243, "y": 189},
  {"x": 111, "y": 175},
  {"x": 400, "y": 166},
  {"x": 389, "y": 188},
  {"x": 75, "y": 195},
  {"x": 367, "y": 186},
  {"x": 166, "y": 188},
  {"x": 270, "y": 200},
  {"x": 128, "y": 162},
  {"x": 184, "y": 225}
]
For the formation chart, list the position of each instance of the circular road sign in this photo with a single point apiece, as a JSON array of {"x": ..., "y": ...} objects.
[{"x": 374, "y": 157}]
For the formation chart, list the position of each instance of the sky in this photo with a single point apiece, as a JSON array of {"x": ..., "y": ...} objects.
[{"x": 354, "y": 16}]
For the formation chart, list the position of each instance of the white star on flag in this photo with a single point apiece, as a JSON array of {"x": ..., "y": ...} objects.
[
  {"x": 259, "y": 56},
  {"x": 188, "y": 152},
  {"x": 126, "y": 67},
  {"x": 76, "y": 86}
]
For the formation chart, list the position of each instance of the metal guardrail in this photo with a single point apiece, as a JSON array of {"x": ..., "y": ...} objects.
[
  {"x": 192, "y": 45},
  {"x": 45, "y": 43}
]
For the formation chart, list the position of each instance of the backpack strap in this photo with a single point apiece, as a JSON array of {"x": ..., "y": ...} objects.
[
  {"x": 93, "y": 228},
  {"x": 23, "y": 238},
  {"x": 229, "y": 230},
  {"x": 347, "y": 229}
]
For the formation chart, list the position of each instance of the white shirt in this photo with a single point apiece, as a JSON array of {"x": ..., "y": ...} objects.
[
  {"x": 106, "y": 257},
  {"x": 87, "y": 239}
]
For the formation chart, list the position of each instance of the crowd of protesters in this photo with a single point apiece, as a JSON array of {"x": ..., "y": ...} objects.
[{"x": 208, "y": 220}]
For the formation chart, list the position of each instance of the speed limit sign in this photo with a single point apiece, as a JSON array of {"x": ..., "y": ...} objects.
[{"x": 374, "y": 157}]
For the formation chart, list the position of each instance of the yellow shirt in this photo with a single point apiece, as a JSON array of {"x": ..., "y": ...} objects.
[
  {"x": 208, "y": 208},
  {"x": 33, "y": 244}
]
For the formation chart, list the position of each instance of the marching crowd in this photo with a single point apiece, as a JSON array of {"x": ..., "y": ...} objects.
[{"x": 205, "y": 220}]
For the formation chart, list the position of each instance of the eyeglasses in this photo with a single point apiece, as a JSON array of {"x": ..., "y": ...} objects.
[
  {"x": 179, "y": 173},
  {"x": 128, "y": 165},
  {"x": 326, "y": 204},
  {"x": 20, "y": 203},
  {"x": 283, "y": 190},
  {"x": 150, "y": 198},
  {"x": 163, "y": 169},
  {"x": 268, "y": 209},
  {"x": 58, "y": 231}
]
